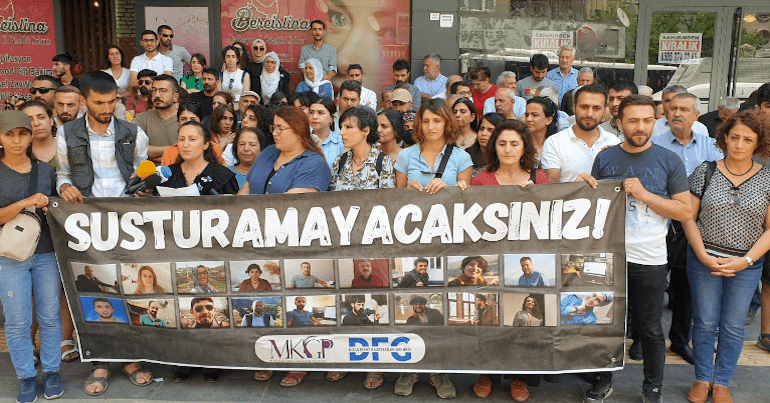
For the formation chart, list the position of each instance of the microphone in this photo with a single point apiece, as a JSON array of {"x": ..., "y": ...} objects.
[
  {"x": 143, "y": 171},
  {"x": 161, "y": 175},
  {"x": 206, "y": 186}
]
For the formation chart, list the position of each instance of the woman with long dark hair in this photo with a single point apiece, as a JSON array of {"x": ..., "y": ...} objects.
[
  {"x": 116, "y": 67},
  {"x": 391, "y": 127},
  {"x": 542, "y": 122},
  {"x": 193, "y": 81},
  {"x": 510, "y": 156}
]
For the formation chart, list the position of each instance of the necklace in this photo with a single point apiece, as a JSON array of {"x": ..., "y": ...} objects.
[
  {"x": 361, "y": 162},
  {"x": 734, "y": 174}
]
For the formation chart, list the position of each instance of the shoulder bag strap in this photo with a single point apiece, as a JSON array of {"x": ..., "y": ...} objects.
[
  {"x": 711, "y": 166},
  {"x": 378, "y": 164},
  {"x": 444, "y": 161},
  {"x": 343, "y": 161},
  {"x": 32, "y": 189},
  {"x": 533, "y": 175}
]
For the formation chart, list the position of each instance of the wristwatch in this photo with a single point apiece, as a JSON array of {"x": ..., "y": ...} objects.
[{"x": 748, "y": 259}]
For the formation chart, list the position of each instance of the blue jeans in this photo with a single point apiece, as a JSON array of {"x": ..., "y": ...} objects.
[
  {"x": 18, "y": 281},
  {"x": 719, "y": 303}
]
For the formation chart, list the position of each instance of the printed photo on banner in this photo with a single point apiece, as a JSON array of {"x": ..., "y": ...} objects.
[
  {"x": 530, "y": 270},
  {"x": 469, "y": 309},
  {"x": 473, "y": 270},
  {"x": 586, "y": 308},
  {"x": 311, "y": 310},
  {"x": 103, "y": 310},
  {"x": 257, "y": 312},
  {"x": 587, "y": 269},
  {"x": 152, "y": 312},
  {"x": 364, "y": 309},
  {"x": 363, "y": 273},
  {"x": 309, "y": 273},
  {"x": 419, "y": 309},
  {"x": 203, "y": 312},
  {"x": 201, "y": 277},
  {"x": 524, "y": 309},
  {"x": 418, "y": 271},
  {"x": 255, "y": 275},
  {"x": 96, "y": 277},
  {"x": 146, "y": 278}
]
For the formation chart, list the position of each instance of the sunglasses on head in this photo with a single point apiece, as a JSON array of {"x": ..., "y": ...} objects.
[
  {"x": 167, "y": 35},
  {"x": 42, "y": 90},
  {"x": 208, "y": 307}
]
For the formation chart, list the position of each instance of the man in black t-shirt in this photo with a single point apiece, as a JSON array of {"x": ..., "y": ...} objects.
[{"x": 205, "y": 98}]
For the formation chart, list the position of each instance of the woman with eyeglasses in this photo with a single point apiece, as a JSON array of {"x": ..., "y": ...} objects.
[
  {"x": 314, "y": 81},
  {"x": 728, "y": 237},
  {"x": 116, "y": 67},
  {"x": 232, "y": 79},
  {"x": 193, "y": 81},
  {"x": 273, "y": 78}
]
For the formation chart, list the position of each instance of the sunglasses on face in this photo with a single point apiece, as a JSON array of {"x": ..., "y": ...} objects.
[
  {"x": 167, "y": 35},
  {"x": 259, "y": 48},
  {"x": 208, "y": 307},
  {"x": 148, "y": 82},
  {"x": 42, "y": 90}
]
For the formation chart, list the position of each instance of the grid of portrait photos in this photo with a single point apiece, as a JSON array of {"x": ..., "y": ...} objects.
[{"x": 502, "y": 290}]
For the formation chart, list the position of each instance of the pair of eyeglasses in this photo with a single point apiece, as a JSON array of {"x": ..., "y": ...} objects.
[
  {"x": 161, "y": 90},
  {"x": 208, "y": 307},
  {"x": 167, "y": 35},
  {"x": 230, "y": 86},
  {"x": 278, "y": 129},
  {"x": 42, "y": 90},
  {"x": 145, "y": 82},
  {"x": 259, "y": 48},
  {"x": 465, "y": 94},
  {"x": 735, "y": 195}
]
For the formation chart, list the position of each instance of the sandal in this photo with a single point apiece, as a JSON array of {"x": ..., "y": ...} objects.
[
  {"x": 103, "y": 381},
  {"x": 134, "y": 375},
  {"x": 293, "y": 378},
  {"x": 263, "y": 375},
  {"x": 73, "y": 350},
  {"x": 339, "y": 375},
  {"x": 373, "y": 376}
]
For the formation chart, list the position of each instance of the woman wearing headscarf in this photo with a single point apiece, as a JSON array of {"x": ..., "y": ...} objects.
[
  {"x": 314, "y": 81},
  {"x": 272, "y": 78},
  {"x": 201, "y": 283}
]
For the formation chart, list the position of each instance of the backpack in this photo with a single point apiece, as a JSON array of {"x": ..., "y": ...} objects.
[{"x": 377, "y": 165}]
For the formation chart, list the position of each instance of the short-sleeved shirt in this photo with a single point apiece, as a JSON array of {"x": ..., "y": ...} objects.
[
  {"x": 14, "y": 186},
  {"x": 480, "y": 98},
  {"x": 662, "y": 173},
  {"x": 159, "y": 64},
  {"x": 162, "y": 133},
  {"x": 565, "y": 151},
  {"x": 563, "y": 83},
  {"x": 332, "y": 146},
  {"x": 432, "y": 87},
  {"x": 534, "y": 280},
  {"x": 298, "y": 318},
  {"x": 411, "y": 163},
  {"x": 179, "y": 56},
  {"x": 307, "y": 170},
  {"x": 147, "y": 321},
  {"x": 526, "y": 87},
  {"x": 367, "y": 177},
  {"x": 723, "y": 223},
  {"x": 300, "y": 281},
  {"x": 327, "y": 55},
  {"x": 701, "y": 148}
]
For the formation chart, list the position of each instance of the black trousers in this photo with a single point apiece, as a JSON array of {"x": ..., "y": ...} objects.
[{"x": 679, "y": 287}]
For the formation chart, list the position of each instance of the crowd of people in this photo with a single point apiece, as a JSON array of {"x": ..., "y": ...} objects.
[{"x": 697, "y": 192}]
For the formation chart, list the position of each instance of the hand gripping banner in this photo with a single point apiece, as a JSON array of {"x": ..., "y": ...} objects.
[{"x": 492, "y": 279}]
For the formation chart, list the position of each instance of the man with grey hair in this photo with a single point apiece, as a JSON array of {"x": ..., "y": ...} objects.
[
  {"x": 661, "y": 126},
  {"x": 585, "y": 77},
  {"x": 565, "y": 76},
  {"x": 432, "y": 82},
  {"x": 507, "y": 79},
  {"x": 727, "y": 107},
  {"x": 504, "y": 100},
  {"x": 454, "y": 78}
]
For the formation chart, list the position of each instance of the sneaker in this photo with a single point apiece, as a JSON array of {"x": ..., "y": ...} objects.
[
  {"x": 751, "y": 316},
  {"x": 444, "y": 387},
  {"x": 53, "y": 388},
  {"x": 601, "y": 388},
  {"x": 764, "y": 342},
  {"x": 405, "y": 383},
  {"x": 27, "y": 390},
  {"x": 652, "y": 396}
]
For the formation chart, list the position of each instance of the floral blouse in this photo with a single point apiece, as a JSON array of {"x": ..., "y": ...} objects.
[{"x": 366, "y": 177}]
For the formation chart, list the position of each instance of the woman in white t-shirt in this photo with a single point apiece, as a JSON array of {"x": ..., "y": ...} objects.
[
  {"x": 117, "y": 69},
  {"x": 232, "y": 79}
]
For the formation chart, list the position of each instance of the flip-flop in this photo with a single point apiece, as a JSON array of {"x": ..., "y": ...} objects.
[
  {"x": 73, "y": 350},
  {"x": 263, "y": 375},
  {"x": 103, "y": 381},
  {"x": 134, "y": 375},
  {"x": 373, "y": 376},
  {"x": 298, "y": 376},
  {"x": 342, "y": 374}
]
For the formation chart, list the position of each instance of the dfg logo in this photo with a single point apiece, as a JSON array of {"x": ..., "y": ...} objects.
[{"x": 401, "y": 348}]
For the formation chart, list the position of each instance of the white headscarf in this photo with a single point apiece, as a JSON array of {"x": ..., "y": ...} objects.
[
  {"x": 270, "y": 81},
  {"x": 317, "y": 76}
]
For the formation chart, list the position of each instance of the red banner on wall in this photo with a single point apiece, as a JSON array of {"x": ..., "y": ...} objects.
[
  {"x": 371, "y": 33},
  {"x": 27, "y": 42}
]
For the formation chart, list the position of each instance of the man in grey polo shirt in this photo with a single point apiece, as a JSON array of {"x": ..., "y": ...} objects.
[
  {"x": 178, "y": 54},
  {"x": 305, "y": 280},
  {"x": 320, "y": 50}
]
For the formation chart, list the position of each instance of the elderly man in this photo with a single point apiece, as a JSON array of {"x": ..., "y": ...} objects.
[
  {"x": 565, "y": 76},
  {"x": 504, "y": 102},
  {"x": 451, "y": 88},
  {"x": 367, "y": 278},
  {"x": 88, "y": 282},
  {"x": 727, "y": 107},
  {"x": 585, "y": 77},
  {"x": 432, "y": 82},
  {"x": 661, "y": 126},
  {"x": 507, "y": 79}
]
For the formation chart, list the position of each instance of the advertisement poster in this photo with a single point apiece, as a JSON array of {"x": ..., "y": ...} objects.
[
  {"x": 371, "y": 33},
  {"x": 522, "y": 279},
  {"x": 27, "y": 44},
  {"x": 677, "y": 48},
  {"x": 551, "y": 41}
]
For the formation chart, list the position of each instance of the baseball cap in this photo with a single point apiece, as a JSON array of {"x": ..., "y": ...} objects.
[{"x": 401, "y": 94}]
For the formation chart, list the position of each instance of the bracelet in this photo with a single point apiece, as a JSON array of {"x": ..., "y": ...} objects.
[{"x": 748, "y": 259}]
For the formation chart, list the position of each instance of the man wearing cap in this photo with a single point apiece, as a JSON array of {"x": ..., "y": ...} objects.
[
  {"x": 248, "y": 98},
  {"x": 401, "y": 100}
]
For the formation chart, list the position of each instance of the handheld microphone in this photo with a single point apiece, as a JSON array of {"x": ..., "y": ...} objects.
[
  {"x": 161, "y": 175},
  {"x": 143, "y": 171}
]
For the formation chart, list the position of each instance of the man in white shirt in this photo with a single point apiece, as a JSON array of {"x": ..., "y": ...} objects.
[
  {"x": 661, "y": 126},
  {"x": 571, "y": 152},
  {"x": 368, "y": 97},
  {"x": 151, "y": 59}
]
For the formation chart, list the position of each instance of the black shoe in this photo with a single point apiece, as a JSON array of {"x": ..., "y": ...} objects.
[
  {"x": 684, "y": 351},
  {"x": 182, "y": 373},
  {"x": 635, "y": 351},
  {"x": 652, "y": 396},
  {"x": 600, "y": 389},
  {"x": 211, "y": 374}
]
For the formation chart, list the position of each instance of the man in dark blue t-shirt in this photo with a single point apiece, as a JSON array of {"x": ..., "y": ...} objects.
[{"x": 655, "y": 182}]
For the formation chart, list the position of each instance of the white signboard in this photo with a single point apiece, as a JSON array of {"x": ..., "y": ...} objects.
[
  {"x": 551, "y": 40},
  {"x": 677, "y": 48}
]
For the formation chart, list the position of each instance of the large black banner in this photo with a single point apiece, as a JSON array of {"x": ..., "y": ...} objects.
[{"x": 492, "y": 279}]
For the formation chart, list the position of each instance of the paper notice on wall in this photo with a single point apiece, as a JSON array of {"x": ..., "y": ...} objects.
[
  {"x": 677, "y": 48},
  {"x": 446, "y": 20}
]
